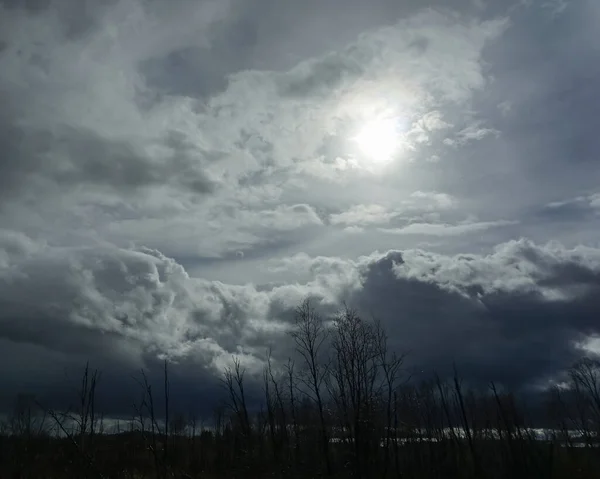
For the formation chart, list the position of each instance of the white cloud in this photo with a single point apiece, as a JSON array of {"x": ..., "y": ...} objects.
[
  {"x": 363, "y": 215},
  {"x": 505, "y": 107},
  {"x": 591, "y": 201},
  {"x": 426, "y": 125},
  {"x": 473, "y": 132},
  {"x": 433, "y": 199},
  {"x": 444, "y": 229},
  {"x": 425, "y": 204},
  {"x": 514, "y": 266},
  {"x": 594, "y": 200},
  {"x": 556, "y": 7},
  {"x": 144, "y": 298}
]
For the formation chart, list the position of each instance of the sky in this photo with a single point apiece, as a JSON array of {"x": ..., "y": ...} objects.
[{"x": 176, "y": 177}]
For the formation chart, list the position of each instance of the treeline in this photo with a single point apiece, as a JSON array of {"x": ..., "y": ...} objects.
[{"x": 345, "y": 406}]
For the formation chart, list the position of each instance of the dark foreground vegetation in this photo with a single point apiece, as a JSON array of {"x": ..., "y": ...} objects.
[{"x": 345, "y": 408}]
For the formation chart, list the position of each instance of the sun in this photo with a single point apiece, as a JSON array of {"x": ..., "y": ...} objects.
[{"x": 379, "y": 139}]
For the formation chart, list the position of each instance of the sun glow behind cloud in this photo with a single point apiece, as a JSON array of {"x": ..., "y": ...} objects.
[
  {"x": 379, "y": 139},
  {"x": 380, "y": 122}
]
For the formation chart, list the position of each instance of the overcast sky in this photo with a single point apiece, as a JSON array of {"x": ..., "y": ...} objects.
[{"x": 175, "y": 177}]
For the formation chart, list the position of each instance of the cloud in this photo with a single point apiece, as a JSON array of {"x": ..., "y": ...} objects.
[
  {"x": 591, "y": 201},
  {"x": 556, "y": 7},
  {"x": 429, "y": 123},
  {"x": 71, "y": 105},
  {"x": 218, "y": 230},
  {"x": 444, "y": 229},
  {"x": 497, "y": 310},
  {"x": 471, "y": 133},
  {"x": 517, "y": 266},
  {"x": 97, "y": 147},
  {"x": 382, "y": 51},
  {"x": 106, "y": 295},
  {"x": 433, "y": 200},
  {"x": 582, "y": 209},
  {"x": 505, "y": 107},
  {"x": 132, "y": 307},
  {"x": 362, "y": 215},
  {"x": 427, "y": 204},
  {"x": 72, "y": 156}
]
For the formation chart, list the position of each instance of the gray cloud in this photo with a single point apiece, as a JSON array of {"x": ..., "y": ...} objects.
[
  {"x": 97, "y": 142},
  {"x": 73, "y": 157}
]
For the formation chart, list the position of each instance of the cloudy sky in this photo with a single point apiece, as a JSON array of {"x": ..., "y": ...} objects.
[{"x": 175, "y": 177}]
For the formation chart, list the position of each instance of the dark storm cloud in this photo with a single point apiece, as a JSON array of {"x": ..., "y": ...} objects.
[
  {"x": 54, "y": 379},
  {"x": 517, "y": 316}
]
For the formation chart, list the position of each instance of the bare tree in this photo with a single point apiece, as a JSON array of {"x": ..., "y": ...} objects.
[
  {"x": 585, "y": 390},
  {"x": 84, "y": 419},
  {"x": 309, "y": 336},
  {"x": 233, "y": 380},
  {"x": 147, "y": 407},
  {"x": 25, "y": 420},
  {"x": 276, "y": 410},
  {"x": 291, "y": 385},
  {"x": 355, "y": 382},
  {"x": 166, "y": 391},
  {"x": 269, "y": 401},
  {"x": 391, "y": 364},
  {"x": 86, "y": 411}
]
